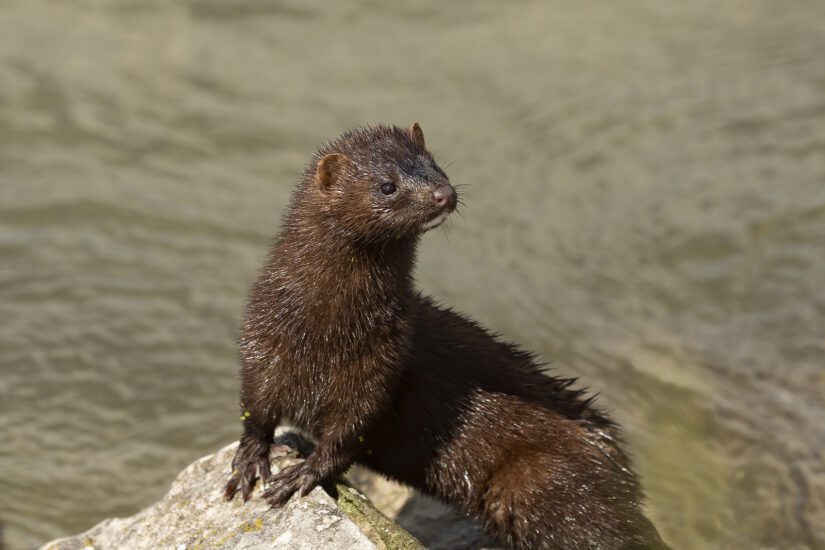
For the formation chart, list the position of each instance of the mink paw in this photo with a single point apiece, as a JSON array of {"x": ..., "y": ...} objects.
[
  {"x": 250, "y": 463},
  {"x": 298, "y": 478}
]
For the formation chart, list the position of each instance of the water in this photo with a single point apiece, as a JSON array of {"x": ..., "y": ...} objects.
[{"x": 646, "y": 210}]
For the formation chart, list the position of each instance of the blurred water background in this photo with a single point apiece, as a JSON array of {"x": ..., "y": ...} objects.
[{"x": 646, "y": 210}]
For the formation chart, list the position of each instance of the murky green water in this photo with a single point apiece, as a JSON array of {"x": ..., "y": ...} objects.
[{"x": 647, "y": 211}]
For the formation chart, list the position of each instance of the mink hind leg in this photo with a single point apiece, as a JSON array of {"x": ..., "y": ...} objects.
[{"x": 543, "y": 500}]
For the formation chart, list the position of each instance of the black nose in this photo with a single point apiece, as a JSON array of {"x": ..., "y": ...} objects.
[{"x": 445, "y": 196}]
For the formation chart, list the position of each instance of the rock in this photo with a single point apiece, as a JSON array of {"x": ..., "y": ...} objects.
[
  {"x": 193, "y": 515},
  {"x": 436, "y": 525}
]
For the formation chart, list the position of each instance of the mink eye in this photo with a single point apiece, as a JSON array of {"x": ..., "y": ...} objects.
[{"x": 388, "y": 188}]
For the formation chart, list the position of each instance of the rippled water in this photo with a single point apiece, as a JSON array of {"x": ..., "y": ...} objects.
[{"x": 647, "y": 211}]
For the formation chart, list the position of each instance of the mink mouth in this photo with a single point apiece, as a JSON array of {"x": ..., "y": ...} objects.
[{"x": 435, "y": 222}]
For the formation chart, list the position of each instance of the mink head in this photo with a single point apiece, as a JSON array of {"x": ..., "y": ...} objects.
[{"x": 379, "y": 183}]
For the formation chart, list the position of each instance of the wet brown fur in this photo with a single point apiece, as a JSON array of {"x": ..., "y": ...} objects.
[{"x": 336, "y": 341}]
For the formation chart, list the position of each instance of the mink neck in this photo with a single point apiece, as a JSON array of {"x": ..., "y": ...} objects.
[
  {"x": 387, "y": 262},
  {"x": 315, "y": 271}
]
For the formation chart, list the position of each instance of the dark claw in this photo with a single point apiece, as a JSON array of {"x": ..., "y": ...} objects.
[
  {"x": 298, "y": 478},
  {"x": 248, "y": 477},
  {"x": 251, "y": 462},
  {"x": 231, "y": 487}
]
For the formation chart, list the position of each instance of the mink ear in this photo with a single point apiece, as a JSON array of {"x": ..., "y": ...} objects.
[
  {"x": 329, "y": 170},
  {"x": 417, "y": 135}
]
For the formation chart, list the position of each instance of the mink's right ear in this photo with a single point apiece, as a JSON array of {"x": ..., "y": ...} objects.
[
  {"x": 417, "y": 134},
  {"x": 330, "y": 169}
]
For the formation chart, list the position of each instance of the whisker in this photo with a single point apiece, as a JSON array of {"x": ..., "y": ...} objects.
[{"x": 446, "y": 234}]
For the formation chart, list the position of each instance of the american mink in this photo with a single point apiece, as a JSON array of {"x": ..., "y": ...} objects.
[{"x": 337, "y": 341}]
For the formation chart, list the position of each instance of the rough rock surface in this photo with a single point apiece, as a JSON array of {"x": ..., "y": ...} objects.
[{"x": 193, "y": 515}]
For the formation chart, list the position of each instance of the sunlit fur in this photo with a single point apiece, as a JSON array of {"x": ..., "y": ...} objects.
[{"x": 336, "y": 341}]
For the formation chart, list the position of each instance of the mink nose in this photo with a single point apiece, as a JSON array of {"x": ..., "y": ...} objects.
[{"x": 445, "y": 196}]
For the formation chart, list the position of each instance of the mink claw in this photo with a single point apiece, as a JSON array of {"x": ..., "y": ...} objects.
[
  {"x": 250, "y": 464},
  {"x": 297, "y": 478}
]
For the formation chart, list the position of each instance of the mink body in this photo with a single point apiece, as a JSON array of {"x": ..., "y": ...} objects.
[{"x": 336, "y": 341}]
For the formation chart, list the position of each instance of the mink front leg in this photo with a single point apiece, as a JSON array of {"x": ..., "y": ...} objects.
[
  {"x": 331, "y": 458},
  {"x": 252, "y": 457}
]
